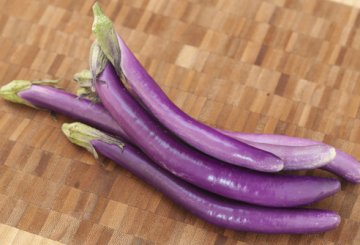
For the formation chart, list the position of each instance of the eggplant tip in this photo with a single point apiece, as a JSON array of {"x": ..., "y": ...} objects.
[{"x": 10, "y": 91}]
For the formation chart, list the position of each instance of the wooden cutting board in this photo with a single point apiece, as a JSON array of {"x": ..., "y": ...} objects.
[{"x": 277, "y": 66}]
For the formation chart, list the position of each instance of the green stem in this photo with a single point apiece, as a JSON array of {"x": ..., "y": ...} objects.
[
  {"x": 97, "y": 60},
  {"x": 83, "y": 79},
  {"x": 87, "y": 93},
  {"x": 82, "y": 135},
  {"x": 86, "y": 89},
  {"x": 106, "y": 37},
  {"x": 11, "y": 90}
]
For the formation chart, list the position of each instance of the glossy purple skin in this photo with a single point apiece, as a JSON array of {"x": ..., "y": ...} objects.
[
  {"x": 83, "y": 110},
  {"x": 214, "y": 209},
  {"x": 343, "y": 165},
  {"x": 199, "y": 169},
  {"x": 297, "y": 157},
  {"x": 196, "y": 134},
  {"x": 57, "y": 100}
]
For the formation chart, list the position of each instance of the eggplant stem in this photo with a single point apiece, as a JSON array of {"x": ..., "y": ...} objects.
[
  {"x": 10, "y": 91},
  {"x": 82, "y": 135},
  {"x": 106, "y": 37},
  {"x": 97, "y": 62},
  {"x": 88, "y": 94},
  {"x": 83, "y": 78}
]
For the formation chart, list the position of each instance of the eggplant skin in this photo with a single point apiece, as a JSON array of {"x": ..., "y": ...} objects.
[
  {"x": 59, "y": 101},
  {"x": 199, "y": 135},
  {"x": 343, "y": 164},
  {"x": 199, "y": 169},
  {"x": 193, "y": 132},
  {"x": 214, "y": 209},
  {"x": 247, "y": 186}
]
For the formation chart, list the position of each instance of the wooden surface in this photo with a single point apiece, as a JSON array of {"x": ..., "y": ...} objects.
[{"x": 277, "y": 66}]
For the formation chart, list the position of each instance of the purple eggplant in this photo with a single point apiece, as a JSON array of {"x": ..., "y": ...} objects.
[
  {"x": 213, "y": 209},
  {"x": 343, "y": 164},
  {"x": 36, "y": 95},
  {"x": 197, "y": 168},
  {"x": 294, "y": 158},
  {"x": 196, "y": 134},
  {"x": 57, "y": 100}
]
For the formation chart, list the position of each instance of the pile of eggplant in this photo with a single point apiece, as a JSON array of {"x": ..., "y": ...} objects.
[{"x": 229, "y": 179}]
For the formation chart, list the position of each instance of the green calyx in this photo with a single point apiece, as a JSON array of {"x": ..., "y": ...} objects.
[
  {"x": 86, "y": 89},
  {"x": 83, "y": 79},
  {"x": 87, "y": 93},
  {"x": 97, "y": 62},
  {"x": 83, "y": 92},
  {"x": 80, "y": 134},
  {"x": 10, "y": 91},
  {"x": 106, "y": 36}
]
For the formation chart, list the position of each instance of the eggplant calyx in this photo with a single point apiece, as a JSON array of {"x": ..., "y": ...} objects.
[
  {"x": 11, "y": 90},
  {"x": 83, "y": 79},
  {"x": 88, "y": 94},
  {"x": 106, "y": 37},
  {"x": 86, "y": 89},
  {"x": 83, "y": 135},
  {"x": 97, "y": 62}
]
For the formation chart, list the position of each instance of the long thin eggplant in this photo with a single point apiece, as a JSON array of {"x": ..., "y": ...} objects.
[
  {"x": 94, "y": 114},
  {"x": 213, "y": 209},
  {"x": 57, "y": 100},
  {"x": 196, "y": 134},
  {"x": 344, "y": 164},
  {"x": 294, "y": 158},
  {"x": 38, "y": 95},
  {"x": 197, "y": 168}
]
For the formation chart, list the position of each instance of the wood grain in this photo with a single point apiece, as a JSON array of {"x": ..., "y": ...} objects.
[{"x": 268, "y": 66}]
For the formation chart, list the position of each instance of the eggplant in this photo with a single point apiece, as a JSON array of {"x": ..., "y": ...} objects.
[
  {"x": 343, "y": 164},
  {"x": 94, "y": 114},
  {"x": 196, "y": 167},
  {"x": 195, "y": 133},
  {"x": 38, "y": 94},
  {"x": 294, "y": 158},
  {"x": 211, "y": 208}
]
